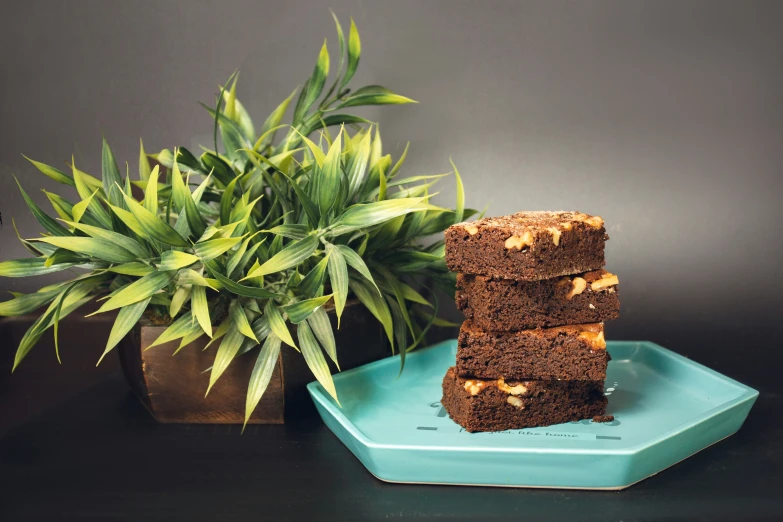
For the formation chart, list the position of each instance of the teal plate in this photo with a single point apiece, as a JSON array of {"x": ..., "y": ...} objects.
[{"x": 666, "y": 408}]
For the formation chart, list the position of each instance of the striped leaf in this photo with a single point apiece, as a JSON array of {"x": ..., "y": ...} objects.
[
  {"x": 338, "y": 277},
  {"x": 301, "y": 310},
  {"x": 315, "y": 359},
  {"x": 356, "y": 262},
  {"x": 236, "y": 288},
  {"x": 26, "y": 303},
  {"x": 137, "y": 291},
  {"x": 229, "y": 347},
  {"x": 176, "y": 330},
  {"x": 262, "y": 373},
  {"x": 144, "y": 163},
  {"x": 132, "y": 269},
  {"x": 151, "y": 191},
  {"x": 93, "y": 247},
  {"x": 277, "y": 323},
  {"x": 122, "y": 241},
  {"x": 174, "y": 260},
  {"x": 322, "y": 328},
  {"x": 239, "y": 320},
  {"x": 209, "y": 250},
  {"x": 127, "y": 318},
  {"x": 370, "y": 214},
  {"x": 55, "y": 174},
  {"x": 313, "y": 282},
  {"x": 354, "y": 53},
  {"x": 375, "y": 304},
  {"x": 198, "y": 304},
  {"x": 460, "y": 209},
  {"x": 31, "y": 266},
  {"x": 373, "y": 95},
  {"x": 178, "y": 299},
  {"x": 62, "y": 206},
  {"x": 153, "y": 226},
  {"x": 288, "y": 257},
  {"x": 46, "y": 221},
  {"x": 273, "y": 121}
]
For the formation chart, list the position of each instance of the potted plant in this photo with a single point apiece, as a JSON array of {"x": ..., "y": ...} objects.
[{"x": 242, "y": 251}]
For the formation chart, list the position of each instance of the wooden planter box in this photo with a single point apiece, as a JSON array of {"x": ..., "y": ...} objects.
[{"x": 173, "y": 387}]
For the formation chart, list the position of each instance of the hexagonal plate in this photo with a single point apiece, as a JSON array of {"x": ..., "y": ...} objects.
[{"x": 666, "y": 408}]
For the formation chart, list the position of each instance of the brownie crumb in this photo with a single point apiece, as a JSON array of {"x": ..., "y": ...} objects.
[{"x": 603, "y": 418}]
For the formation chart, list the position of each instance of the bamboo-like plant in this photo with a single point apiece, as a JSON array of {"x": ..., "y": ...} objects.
[{"x": 249, "y": 244}]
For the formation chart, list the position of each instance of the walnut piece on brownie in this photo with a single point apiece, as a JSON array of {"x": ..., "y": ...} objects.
[
  {"x": 506, "y": 304},
  {"x": 498, "y": 404},
  {"x": 527, "y": 246},
  {"x": 574, "y": 352}
]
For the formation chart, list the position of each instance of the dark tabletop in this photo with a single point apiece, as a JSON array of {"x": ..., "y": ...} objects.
[{"x": 98, "y": 455}]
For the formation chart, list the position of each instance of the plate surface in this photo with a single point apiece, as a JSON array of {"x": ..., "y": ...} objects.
[{"x": 666, "y": 408}]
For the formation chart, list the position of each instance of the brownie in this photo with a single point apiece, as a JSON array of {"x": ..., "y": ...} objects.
[
  {"x": 506, "y": 304},
  {"x": 527, "y": 246},
  {"x": 575, "y": 352},
  {"x": 496, "y": 405}
]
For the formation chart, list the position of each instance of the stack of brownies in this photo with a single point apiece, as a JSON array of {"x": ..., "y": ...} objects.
[{"x": 532, "y": 350}]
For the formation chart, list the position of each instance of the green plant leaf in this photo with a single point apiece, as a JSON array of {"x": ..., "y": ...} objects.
[
  {"x": 52, "y": 226},
  {"x": 94, "y": 247},
  {"x": 222, "y": 171},
  {"x": 340, "y": 119},
  {"x": 31, "y": 266},
  {"x": 87, "y": 186},
  {"x": 153, "y": 226},
  {"x": 315, "y": 359},
  {"x": 209, "y": 250},
  {"x": 400, "y": 161},
  {"x": 273, "y": 121},
  {"x": 338, "y": 276},
  {"x": 176, "y": 330},
  {"x": 239, "y": 319},
  {"x": 301, "y": 310},
  {"x": 373, "y": 95},
  {"x": 327, "y": 182},
  {"x": 151, "y": 191},
  {"x": 26, "y": 303},
  {"x": 460, "y": 210},
  {"x": 111, "y": 175},
  {"x": 127, "y": 318},
  {"x": 292, "y": 231},
  {"x": 314, "y": 280},
  {"x": 262, "y": 373},
  {"x": 277, "y": 323},
  {"x": 144, "y": 163},
  {"x": 191, "y": 277},
  {"x": 62, "y": 206},
  {"x": 307, "y": 204},
  {"x": 315, "y": 84},
  {"x": 236, "y": 288},
  {"x": 354, "y": 53},
  {"x": 174, "y": 260},
  {"x": 198, "y": 304},
  {"x": 55, "y": 174},
  {"x": 288, "y": 257},
  {"x": 76, "y": 297},
  {"x": 229, "y": 347},
  {"x": 129, "y": 220},
  {"x": 227, "y": 201},
  {"x": 124, "y": 242},
  {"x": 356, "y": 262},
  {"x": 184, "y": 199},
  {"x": 178, "y": 300},
  {"x": 375, "y": 304},
  {"x": 137, "y": 291},
  {"x": 81, "y": 207},
  {"x": 322, "y": 328},
  {"x": 132, "y": 269},
  {"x": 370, "y": 214}
]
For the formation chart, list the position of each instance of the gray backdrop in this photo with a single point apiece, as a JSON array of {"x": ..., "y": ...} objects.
[{"x": 663, "y": 117}]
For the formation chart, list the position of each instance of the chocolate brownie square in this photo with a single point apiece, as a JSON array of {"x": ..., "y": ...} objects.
[
  {"x": 574, "y": 352},
  {"x": 527, "y": 246},
  {"x": 496, "y": 405},
  {"x": 506, "y": 304}
]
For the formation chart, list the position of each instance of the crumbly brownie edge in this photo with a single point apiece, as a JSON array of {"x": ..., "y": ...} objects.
[
  {"x": 492, "y": 409},
  {"x": 574, "y": 353}
]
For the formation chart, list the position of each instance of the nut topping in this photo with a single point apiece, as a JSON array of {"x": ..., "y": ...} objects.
[
  {"x": 519, "y": 242},
  {"x": 471, "y": 229},
  {"x": 606, "y": 281},
  {"x": 578, "y": 286},
  {"x": 596, "y": 339},
  {"x": 515, "y": 402},
  {"x": 474, "y": 387},
  {"x": 555, "y": 235},
  {"x": 519, "y": 389}
]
